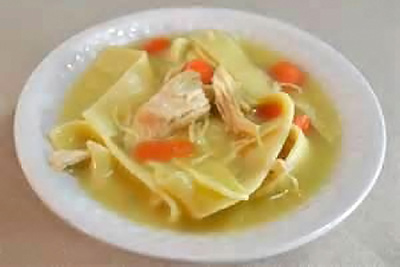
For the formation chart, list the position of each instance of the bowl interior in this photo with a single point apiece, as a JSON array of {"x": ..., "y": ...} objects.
[{"x": 363, "y": 142}]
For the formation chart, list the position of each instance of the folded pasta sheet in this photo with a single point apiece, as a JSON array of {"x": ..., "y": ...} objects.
[
  {"x": 108, "y": 67},
  {"x": 72, "y": 135},
  {"x": 279, "y": 178}
]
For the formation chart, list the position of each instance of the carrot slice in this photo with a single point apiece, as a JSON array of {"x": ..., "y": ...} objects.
[
  {"x": 268, "y": 111},
  {"x": 286, "y": 72},
  {"x": 303, "y": 122},
  {"x": 206, "y": 71},
  {"x": 156, "y": 45},
  {"x": 162, "y": 150}
]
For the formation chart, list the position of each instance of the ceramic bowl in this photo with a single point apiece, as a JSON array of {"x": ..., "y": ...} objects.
[{"x": 360, "y": 162}]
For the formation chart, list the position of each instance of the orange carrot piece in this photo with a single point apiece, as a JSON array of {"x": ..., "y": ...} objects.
[
  {"x": 156, "y": 45},
  {"x": 268, "y": 111},
  {"x": 162, "y": 150},
  {"x": 286, "y": 72},
  {"x": 303, "y": 122},
  {"x": 206, "y": 71}
]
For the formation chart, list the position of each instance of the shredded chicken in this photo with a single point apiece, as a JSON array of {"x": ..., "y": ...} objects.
[
  {"x": 209, "y": 92},
  {"x": 172, "y": 72},
  {"x": 229, "y": 104},
  {"x": 61, "y": 159},
  {"x": 204, "y": 56},
  {"x": 179, "y": 102}
]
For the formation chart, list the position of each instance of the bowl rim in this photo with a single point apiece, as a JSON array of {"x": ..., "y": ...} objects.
[{"x": 153, "y": 12}]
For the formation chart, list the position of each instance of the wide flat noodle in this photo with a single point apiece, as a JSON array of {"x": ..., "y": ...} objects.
[
  {"x": 109, "y": 65},
  {"x": 259, "y": 157},
  {"x": 198, "y": 200},
  {"x": 279, "y": 179},
  {"x": 256, "y": 84},
  {"x": 72, "y": 135},
  {"x": 276, "y": 181},
  {"x": 214, "y": 176},
  {"x": 299, "y": 149},
  {"x": 135, "y": 87},
  {"x": 101, "y": 164},
  {"x": 179, "y": 48},
  {"x": 145, "y": 176}
]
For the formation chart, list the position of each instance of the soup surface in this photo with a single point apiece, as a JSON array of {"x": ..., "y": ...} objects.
[{"x": 123, "y": 193}]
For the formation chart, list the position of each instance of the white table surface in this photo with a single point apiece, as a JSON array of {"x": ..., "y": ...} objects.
[{"x": 365, "y": 31}]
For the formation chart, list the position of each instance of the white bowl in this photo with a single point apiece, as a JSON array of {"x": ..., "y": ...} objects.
[{"x": 363, "y": 145}]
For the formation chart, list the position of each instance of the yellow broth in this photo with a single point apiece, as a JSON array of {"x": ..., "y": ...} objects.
[{"x": 126, "y": 196}]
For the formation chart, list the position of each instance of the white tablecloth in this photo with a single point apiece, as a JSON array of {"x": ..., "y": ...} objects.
[{"x": 364, "y": 31}]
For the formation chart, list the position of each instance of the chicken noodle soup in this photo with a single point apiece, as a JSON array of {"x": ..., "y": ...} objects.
[{"x": 201, "y": 132}]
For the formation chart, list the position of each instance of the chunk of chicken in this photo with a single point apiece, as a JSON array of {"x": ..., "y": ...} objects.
[
  {"x": 179, "y": 102},
  {"x": 229, "y": 104},
  {"x": 61, "y": 159}
]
